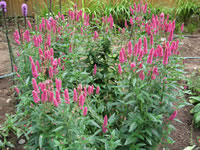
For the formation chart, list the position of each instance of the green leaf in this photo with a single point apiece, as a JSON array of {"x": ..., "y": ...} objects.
[
  {"x": 132, "y": 127},
  {"x": 111, "y": 119},
  {"x": 129, "y": 140},
  {"x": 40, "y": 141},
  {"x": 93, "y": 123},
  {"x": 57, "y": 129},
  {"x": 134, "y": 82},
  {"x": 190, "y": 147},
  {"x": 196, "y": 98},
  {"x": 197, "y": 117},
  {"x": 27, "y": 80},
  {"x": 149, "y": 141},
  {"x": 10, "y": 144},
  {"x": 170, "y": 140},
  {"x": 128, "y": 95},
  {"x": 1, "y": 143},
  {"x": 196, "y": 109}
]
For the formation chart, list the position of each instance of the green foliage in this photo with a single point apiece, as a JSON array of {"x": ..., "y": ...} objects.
[
  {"x": 137, "y": 106},
  {"x": 194, "y": 86},
  {"x": 185, "y": 9},
  {"x": 9, "y": 126}
]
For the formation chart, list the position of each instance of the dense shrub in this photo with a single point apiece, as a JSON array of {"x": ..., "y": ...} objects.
[{"x": 98, "y": 87}]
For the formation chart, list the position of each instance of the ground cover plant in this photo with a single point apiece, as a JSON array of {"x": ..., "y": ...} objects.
[{"x": 97, "y": 86}]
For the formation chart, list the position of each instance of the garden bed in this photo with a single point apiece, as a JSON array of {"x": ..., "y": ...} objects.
[
  {"x": 183, "y": 135},
  {"x": 83, "y": 82}
]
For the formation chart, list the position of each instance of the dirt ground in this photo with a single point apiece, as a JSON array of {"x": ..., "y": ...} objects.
[
  {"x": 184, "y": 135},
  {"x": 6, "y": 95}
]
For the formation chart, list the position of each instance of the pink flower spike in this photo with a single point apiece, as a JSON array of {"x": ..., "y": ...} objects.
[
  {"x": 125, "y": 24},
  {"x": 30, "y": 59},
  {"x": 58, "y": 84},
  {"x": 58, "y": 96},
  {"x": 182, "y": 27},
  {"x": 165, "y": 58},
  {"x": 145, "y": 46},
  {"x": 96, "y": 35},
  {"x": 97, "y": 90},
  {"x": 119, "y": 69},
  {"x": 121, "y": 57},
  {"x": 85, "y": 111},
  {"x": 51, "y": 52},
  {"x": 95, "y": 70},
  {"x": 79, "y": 87},
  {"x": 55, "y": 102},
  {"x": 151, "y": 40},
  {"x": 66, "y": 93},
  {"x": 170, "y": 38},
  {"x": 17, "y": 90},
  {"x": 132, "y": 65},
  {"x": 35, "y": 97},
  {"x": 141, "y": 75},
  {"x": 15, "y": 68},
  {"x": 150, "y": 57},
  {"x": 135, "y": 50},
  {"x": 50, "y": 72},
  {"x": 105, "y": 122},
  {"x": 75, "y": 95},
  {"x": 51, "y": 96},
  {"x": 131, "y": 21},
  {"x": 153, "y": 77},
  {"x": 85, "y": 91},
  {"x": 81, "y": 101},
  {"x": 29, "y": 24},
  {"x": 129, "y": 48},
  {"x": 35, "y": 86},
  {"x": 173, "y": 115},
  {"x": 38, "y": 66}
]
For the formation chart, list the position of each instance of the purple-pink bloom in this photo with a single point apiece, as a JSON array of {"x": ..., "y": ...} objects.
[
  {"x": 145, "y": 45},
  {"x": 55, "y": 102},
  {"x": 182, "y": 27},
  {"x": 141, "y": 75},
  {"x": 17, "y": 90},
  {"x": 96, "y": 35},
  {"x": 50, "y": 72},
  {"x": 24, "y": 9},
  {"x": 58, "y": 84},
  {"x": 95, "y": 70},
  {"x": 3, "y": 5},
  {"x": 51, "y": 96},
  {"x": 150, "y": 57},
  {"x": 173, "y": 115},
  {"x": 97, "y": 90},
  {"x": 151, "y": 40},
  {"x": 66, "y": 94},
  {"x": 35, "y": 86},
  {"x": 85, "y": 111},
  {"x": 132, "y": 65},
  {"x": 119, "y": 69},
  {"x": 75, "y": 96},
  {"x": 35, "y": 96},
  {"x": 130, "y": 48},
  {"x": 105, "y": 122}
]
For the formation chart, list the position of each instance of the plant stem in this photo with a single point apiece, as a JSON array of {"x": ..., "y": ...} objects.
[
  {"x": 25, "y": 21},
  {"x": 8, "y": 41}
]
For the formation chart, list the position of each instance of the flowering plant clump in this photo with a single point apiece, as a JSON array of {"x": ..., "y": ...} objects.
[{"x": 96, "y": 87}]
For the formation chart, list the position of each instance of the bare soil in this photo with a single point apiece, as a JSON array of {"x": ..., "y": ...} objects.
[{"x": 184, "y": 135}]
